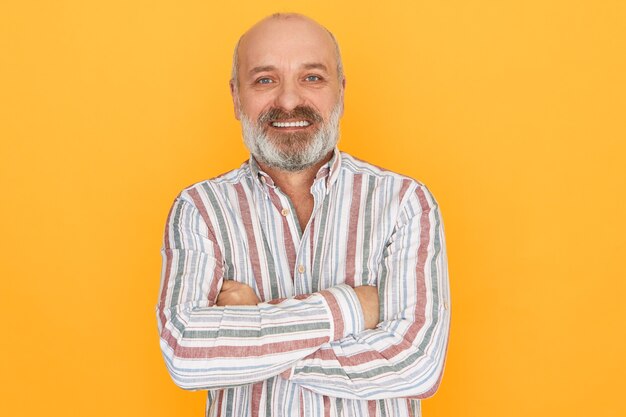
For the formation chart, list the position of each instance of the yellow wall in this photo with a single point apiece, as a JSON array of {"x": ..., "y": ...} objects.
[{"x": 513, "y": 112}]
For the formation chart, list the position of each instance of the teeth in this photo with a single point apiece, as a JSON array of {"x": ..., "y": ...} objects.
[{"x": 301, "y": 123}]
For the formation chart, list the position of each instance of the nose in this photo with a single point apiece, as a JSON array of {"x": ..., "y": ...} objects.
[{"x": 288, "y": 96}]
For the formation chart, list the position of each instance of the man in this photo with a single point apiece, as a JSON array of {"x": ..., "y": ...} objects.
[{"x": 306, "y": 282}]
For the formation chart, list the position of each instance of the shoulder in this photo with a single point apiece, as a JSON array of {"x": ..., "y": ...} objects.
[
  {"x": 220, "y": 182},
  {"x": 216, "y": 190},
  {"x": 405, "y": 186},
  {"x": 359, "y": 166}
]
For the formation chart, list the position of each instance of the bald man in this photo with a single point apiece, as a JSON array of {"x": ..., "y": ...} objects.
[{"x": 306, "y": 282}]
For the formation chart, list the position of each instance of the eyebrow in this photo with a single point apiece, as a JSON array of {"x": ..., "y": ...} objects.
[
  {"x": 307, "y": 66},
  {"x": 315, "y": 65},
  {"x": 262, "y": 68}
]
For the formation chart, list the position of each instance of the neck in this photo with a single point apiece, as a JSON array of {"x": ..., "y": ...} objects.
[{"x": 297, "y": 186}]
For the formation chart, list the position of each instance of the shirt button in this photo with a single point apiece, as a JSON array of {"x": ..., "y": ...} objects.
[
  {"x": 285, "y": 212},
  {"x": 301, "y": 269},
  {"x": 445, "y": 304}
]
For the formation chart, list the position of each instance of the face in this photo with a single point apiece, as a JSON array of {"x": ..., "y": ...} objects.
[{"x": 289, "y": 98}]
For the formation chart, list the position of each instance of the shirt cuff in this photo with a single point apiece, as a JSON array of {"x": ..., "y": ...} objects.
[{"x": 345, "y": 309}]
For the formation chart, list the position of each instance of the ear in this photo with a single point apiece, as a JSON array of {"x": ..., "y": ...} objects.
[
  {"x": 235, "y": 96},
  {"x": 343, "y": 89}
]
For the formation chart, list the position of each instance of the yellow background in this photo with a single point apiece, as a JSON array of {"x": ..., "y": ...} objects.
[{"x": 512, "y": 112}]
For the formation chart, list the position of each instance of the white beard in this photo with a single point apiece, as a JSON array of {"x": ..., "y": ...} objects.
[{"x": 297, "y": 152}]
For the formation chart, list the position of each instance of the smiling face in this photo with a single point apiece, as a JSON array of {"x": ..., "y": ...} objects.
[{"x": 288, "y": 94}]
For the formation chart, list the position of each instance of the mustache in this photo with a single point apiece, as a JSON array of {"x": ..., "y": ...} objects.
[{"x": 299, "y": 112}]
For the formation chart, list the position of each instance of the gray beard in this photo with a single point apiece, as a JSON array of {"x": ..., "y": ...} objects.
[{"x": 298, "y": 151}]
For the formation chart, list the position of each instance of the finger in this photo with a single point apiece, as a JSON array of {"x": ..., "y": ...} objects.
[{"x": 227, "y": 284}]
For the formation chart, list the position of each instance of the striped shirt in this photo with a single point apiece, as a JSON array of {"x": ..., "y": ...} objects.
[{"x": 303, "y": 350}]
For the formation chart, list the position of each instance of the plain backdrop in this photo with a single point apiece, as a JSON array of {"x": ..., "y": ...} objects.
[{"x": 512, "y": 112}]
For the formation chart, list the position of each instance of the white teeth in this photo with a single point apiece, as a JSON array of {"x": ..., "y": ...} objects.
[{"x": 301, "y": 123}]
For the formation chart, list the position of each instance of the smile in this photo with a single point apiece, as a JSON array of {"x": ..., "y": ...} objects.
[{"x": 299, "y": 123}]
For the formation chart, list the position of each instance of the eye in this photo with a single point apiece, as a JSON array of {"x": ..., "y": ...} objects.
[
  {"x": 264, "y": 80},
  {"x": 313, "y": 78}
]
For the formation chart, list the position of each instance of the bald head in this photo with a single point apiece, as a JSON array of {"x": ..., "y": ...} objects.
[
  {"x": 287, "y": 90},
  {"x": 281, "y": 27}
]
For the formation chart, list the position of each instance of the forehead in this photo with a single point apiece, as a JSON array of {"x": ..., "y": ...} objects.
[{"x": 286, "y": 44}]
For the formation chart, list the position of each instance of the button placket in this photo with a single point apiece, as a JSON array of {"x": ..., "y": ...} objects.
[{"x": 302, "y": 278}]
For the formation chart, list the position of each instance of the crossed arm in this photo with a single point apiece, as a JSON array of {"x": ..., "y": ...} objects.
[
  {"x": 235, "y": 293},
  {"x": 337, "y": 342}
]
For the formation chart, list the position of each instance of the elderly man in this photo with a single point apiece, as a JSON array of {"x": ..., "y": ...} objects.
[{"x": 306, "y": 282}]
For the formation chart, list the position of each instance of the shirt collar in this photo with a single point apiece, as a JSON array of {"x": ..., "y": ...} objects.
[
  {"x": 333, "y": 168},
  {"x": 329, "y": 170},
  {"x": 258, "y": 175}
]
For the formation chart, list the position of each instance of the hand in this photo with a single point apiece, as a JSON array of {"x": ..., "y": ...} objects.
[
  {"x": 368, "y": 297},
  {"x": 235, "y": 293}
]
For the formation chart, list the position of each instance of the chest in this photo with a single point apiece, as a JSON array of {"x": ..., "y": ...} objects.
[{"x": 271, "y": 249}]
